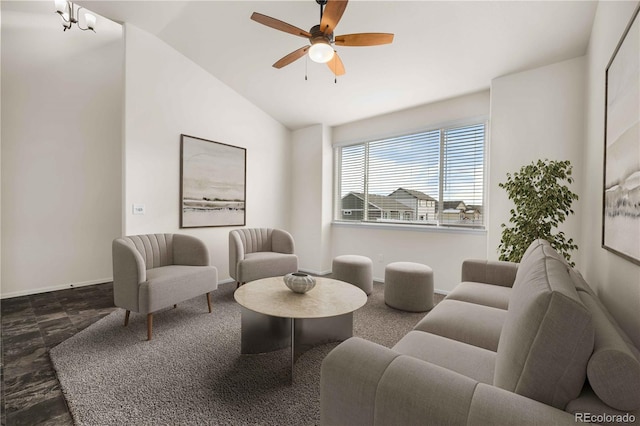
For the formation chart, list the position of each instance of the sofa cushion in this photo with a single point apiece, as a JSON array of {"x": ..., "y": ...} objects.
[
  {"x": 579, "y": 282},
  {"x": 613, "y": 369},
  {"x": 536, "y": 249},
  {"x": 468, "y": 360},
  {"x": 495, "y": 296},
  {"x": 535, "y": 245},
  {"x": 163, "y": 286},
  {"x": 476, "y": 325},
  {"x": 494, "y": 272},
  {"x": 266, "y": 264},
  {"x": 547, "y": 337}
]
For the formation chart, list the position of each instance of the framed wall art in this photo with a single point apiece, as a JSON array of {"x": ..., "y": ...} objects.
[
  {"x": 212, "y": 183},
  {"x": 621, "y": 194}
]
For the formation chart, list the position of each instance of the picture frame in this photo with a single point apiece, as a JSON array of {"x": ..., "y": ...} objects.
[
  {"x": 621, "y": 179},
  {"x": 212, "y": 183}
]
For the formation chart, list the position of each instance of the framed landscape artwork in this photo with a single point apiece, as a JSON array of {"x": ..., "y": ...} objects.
[
  {"x": 212, "y": 183},
  {"x": 621, "y": 197}
]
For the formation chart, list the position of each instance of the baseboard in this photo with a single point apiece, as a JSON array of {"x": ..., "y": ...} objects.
[
  {"x": 319, "y": 273},
  {"x": 55, "y": 288},
  {"x": 227, "y": 281}
]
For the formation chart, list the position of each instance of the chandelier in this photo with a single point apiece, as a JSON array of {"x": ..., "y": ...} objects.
[{"x": 70, "y": 15}]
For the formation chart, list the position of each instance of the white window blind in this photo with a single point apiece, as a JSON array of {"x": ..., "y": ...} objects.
[{"x": 430, "y": 178}]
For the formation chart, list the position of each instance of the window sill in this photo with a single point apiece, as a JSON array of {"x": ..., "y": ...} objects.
[{"x": 412, "y": 228}]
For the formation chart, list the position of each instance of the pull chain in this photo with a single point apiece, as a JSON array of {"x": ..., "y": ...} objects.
[
  {"x": 335, "y": 70},
  {"x": 306, "y": 63}
]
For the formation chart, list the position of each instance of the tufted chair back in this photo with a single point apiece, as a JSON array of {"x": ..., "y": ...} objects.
[
  {"x": 245, "y": 243},
  {"x": 255, "y": 239},
  {"x": 156, "y": 249}
]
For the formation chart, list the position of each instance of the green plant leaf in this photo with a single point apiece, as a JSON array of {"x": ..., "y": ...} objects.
[{"x": 542, "y": 201}]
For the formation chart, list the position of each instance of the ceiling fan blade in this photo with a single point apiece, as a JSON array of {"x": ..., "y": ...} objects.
[
  {"x": 364, "y": 39},
  {"x": 335, "y": 65},
  {"x": 331, "y": 16},
  {"x": 279, "y": 25},
  {"x": 293, "y": 56}
]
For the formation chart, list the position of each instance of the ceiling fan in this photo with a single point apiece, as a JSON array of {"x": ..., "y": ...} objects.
[{"x": 321, "y": 36}]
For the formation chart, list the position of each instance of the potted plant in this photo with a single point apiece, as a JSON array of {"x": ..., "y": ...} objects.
[{"x": 542, "y": 202}]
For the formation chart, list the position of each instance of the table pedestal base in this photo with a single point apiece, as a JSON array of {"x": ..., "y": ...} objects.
[{"x": 265, "y": 333}]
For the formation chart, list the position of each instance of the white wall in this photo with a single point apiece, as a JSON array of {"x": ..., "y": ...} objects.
[
  {"x": 616, "y": 280},
  {"x": 443, "y": 250},
  {"x": 424, "y": 117},
  {"x": 312, "y": 177},
  {"x": 168, "y": 95},
  {"x": 61, "y": 132},
  {"x": 535, "y": 114}
]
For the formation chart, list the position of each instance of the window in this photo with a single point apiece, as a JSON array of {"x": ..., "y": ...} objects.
[{"x": 434, "y": 177}]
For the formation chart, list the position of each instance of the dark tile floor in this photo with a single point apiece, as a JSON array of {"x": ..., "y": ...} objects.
[{"x": 31, "y": 325}]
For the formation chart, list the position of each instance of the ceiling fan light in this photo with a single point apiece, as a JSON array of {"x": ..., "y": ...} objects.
[
  {"x": 321, "y": 52},
  {"x": 61, "y": 6},
  {"x": 90, "y": 20}
]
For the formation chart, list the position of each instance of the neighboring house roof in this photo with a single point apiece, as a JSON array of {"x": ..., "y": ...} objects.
[
  {"x": 474, "y": 207},
  {"x": 382, "y": 202},
  {"x": 449, "y": 205},
  {"x": 391, "y": 203},
  {"x": 417, "y": 194}
]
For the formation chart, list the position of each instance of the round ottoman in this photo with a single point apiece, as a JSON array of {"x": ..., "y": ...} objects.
[
  {"x": 408, "y": 286},
  {"x": 356, "y": 270}
]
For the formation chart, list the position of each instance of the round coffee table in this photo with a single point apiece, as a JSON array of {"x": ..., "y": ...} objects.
[{"x": 274, "y": 317}]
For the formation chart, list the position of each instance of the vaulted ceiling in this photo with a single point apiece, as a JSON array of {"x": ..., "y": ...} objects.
[{"x": 441, "y": 49}]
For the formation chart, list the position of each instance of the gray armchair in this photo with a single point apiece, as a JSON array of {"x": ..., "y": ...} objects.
[
  {"x": 154, "y": 271},
  {"x": 256, "y": 253}
]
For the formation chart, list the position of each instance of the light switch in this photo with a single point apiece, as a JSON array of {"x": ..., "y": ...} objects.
[{"x": 138, "y": 209}]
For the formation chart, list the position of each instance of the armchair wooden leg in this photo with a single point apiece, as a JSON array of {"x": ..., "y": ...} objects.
[
  {"x": 149, "y": 325},
  {"x": 209, "y": 301},
  {"x": 175, "y": 306},
  {"x": 126, "y": 318}
]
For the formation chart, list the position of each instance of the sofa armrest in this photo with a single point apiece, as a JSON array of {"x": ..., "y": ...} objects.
[
  {"x": 189, "y": 250},
  {"x": 489, "y": 272},
  {"x": 349, "y": 379},
  {"x": 495, "y": 406},
  {"x": 416, "y": 392},
  {"x": 363, "y": 383},
  {"x": 129, "y": 270},
  {"x": 282, "y": 242}
]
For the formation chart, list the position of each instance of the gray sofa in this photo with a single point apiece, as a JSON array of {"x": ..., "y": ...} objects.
[{"x": 525, "y": 343}]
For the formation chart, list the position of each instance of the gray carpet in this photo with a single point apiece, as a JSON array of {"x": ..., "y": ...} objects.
[{"x": 192, "y": 371}]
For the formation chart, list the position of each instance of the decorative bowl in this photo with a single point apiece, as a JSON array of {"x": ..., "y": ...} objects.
[{"x": 299, "y": 282}]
